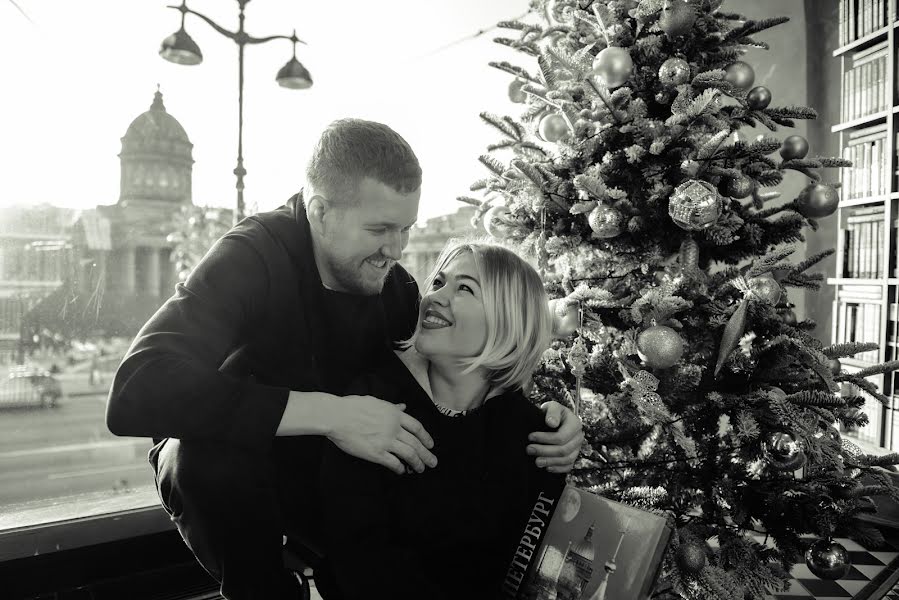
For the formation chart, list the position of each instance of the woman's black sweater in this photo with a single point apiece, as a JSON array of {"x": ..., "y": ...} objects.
[{"x": 449, "y": 532}]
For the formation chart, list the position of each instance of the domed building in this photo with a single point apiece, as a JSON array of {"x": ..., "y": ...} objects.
[{"x": 124, "y": 259}]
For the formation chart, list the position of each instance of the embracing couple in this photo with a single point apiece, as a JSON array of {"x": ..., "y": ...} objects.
[{"x": 297, "y": 384}]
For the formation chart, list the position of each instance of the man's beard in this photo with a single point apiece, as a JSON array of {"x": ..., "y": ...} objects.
[{"x": 351, "y": 280}]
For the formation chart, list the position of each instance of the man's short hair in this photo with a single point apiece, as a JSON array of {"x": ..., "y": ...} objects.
[
  {"x": 350, "y": 150},
  {"x": 519, "y": 323}
]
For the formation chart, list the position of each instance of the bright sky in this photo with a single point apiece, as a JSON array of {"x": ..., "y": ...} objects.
[{"x": 76, "y": 74}]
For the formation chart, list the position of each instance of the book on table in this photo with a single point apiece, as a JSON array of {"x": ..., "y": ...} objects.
[{"x": 580, "y": 545}]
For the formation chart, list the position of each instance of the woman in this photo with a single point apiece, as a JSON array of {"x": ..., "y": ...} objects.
[{"x": 451, "y": 531}]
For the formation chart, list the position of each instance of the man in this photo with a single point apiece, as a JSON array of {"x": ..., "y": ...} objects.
[{"x": 238, "y": 377}]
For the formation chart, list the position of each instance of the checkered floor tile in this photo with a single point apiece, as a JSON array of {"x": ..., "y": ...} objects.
[{"x": 867, "y": 564}]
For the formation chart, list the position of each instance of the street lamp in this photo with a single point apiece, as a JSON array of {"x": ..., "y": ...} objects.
[{"x": 181, "y": 49}]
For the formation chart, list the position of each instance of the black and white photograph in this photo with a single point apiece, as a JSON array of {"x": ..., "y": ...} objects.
[{"x": 449, "y": 300}]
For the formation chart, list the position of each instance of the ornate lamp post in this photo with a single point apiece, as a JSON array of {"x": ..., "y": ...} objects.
[{"x": 181, "y": 49}]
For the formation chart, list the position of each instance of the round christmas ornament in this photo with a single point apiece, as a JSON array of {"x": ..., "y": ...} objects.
[
  {"x": 783, "y": 451},
  {"x": 678, "y": 18},
  {"x": 566, "y": 317},
  {"x": 515, "y": 92},
  {"x": 674, "y": 71},
  {"x": 690, "y": 558},
  {"x": 553, "y": 128},
  {"x": 605, "y": 221},
  {"x": 695, "y": 205},
  {"x": 613, "y": 66},
  {"x": 765, "y": 288},
  {"x": 758, "y": 98},
  {"x": 496, "y": 222},
  {"x": 659, "y": 346},
  {"x": 795, "y": 146},
  {"x": 817, "y": 200},
  {"x": 740, "y": 74},
  {"x": 835, "y": 366},
  {"x": 828, "y": 560},
  {"x": 738, "y": 187}
]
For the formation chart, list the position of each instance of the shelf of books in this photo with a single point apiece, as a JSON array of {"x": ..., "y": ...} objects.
[{"x": 866, "y": 306}]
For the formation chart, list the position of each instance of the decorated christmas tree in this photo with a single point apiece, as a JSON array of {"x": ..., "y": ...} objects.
[{"x": 659, "y": 232}]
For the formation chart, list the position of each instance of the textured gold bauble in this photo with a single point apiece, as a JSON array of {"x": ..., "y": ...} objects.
[{"x": 695, "y": 205}]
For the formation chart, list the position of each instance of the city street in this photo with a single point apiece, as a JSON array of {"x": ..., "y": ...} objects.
[{"x": 51, "y": 452}]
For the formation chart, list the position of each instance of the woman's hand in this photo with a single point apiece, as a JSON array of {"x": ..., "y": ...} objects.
[{"x": 557, "y": 450}]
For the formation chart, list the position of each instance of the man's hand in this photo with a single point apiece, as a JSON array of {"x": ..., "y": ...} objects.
[
  {"x": 557, "y": 450},
  {"x": 380, "y": 432}
]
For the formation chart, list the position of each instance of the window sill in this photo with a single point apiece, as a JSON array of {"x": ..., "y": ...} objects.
[{"x": 78, "y": 521}]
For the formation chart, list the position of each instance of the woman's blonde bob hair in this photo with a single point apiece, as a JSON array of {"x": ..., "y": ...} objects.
[{"x": 519, "y": 324}]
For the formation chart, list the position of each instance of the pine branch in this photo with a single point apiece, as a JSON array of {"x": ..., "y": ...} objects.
[
  {"x": 815, "y": 398},
  {"x": 501, "y": 145},
  {"x": 767, "y": 262},
  {"x": 886, "y": 367},
  {"x": 814, "y": 259},
  {"x": 525, "y": 47},
  {"x": 468, "y": 200},
  {"x": 514, "y": 70},
  {"x": 799, "y": 164},
  {"x": 752, "y": 27},
  {"x": 848, "y": 349},
  {"x": 492, "y": 164},
  {"x": 792, "y": 112},
  {"x": 833, "y": 162},
  {"x": 887, "y": 460},
  {"x": 501, "y": 125},
  {"x": 866, "y": 386}
]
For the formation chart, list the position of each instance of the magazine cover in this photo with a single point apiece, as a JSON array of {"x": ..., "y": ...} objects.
[{"x": 592, "y": 549}]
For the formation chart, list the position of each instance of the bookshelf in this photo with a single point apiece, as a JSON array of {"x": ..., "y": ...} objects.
[{"x": 866, "y": 282}]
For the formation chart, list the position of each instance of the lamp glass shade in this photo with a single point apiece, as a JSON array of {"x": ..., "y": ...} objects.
[
  {"x": 180, "y": 48},
  {"x": 294, "y": 75}
]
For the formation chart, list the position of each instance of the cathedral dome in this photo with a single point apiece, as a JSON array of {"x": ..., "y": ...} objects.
[
  {"x": 156, "y": 158},
  {"x": 584, "y": 548},
  {"x": 155, "y": 124}
]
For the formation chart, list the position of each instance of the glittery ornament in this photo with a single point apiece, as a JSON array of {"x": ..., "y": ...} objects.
[
  {"x": 674, "y": 71},
  {"x": 795, "y": 146},
  {"x": 613, "y": 66},
  {"x": 740, "y": 74},
  {"x": 496, "y": 222},
  {"x": 690, "y": 558},
  {"x": 516, "y": 94},
  {"x": 738, "y": 187},
  {"x": 553, "y": 128},
  {"x": 577, "y": 357},
  {"x": 688, "y": 255},
  {"x": 678, "y": 18},
  {"x": 566, "y": 317},
  {"x": 605, "y": 221},
  {"x": 765, "y": 288},
  {"x": 659, "y": 346},
  {"x": 828, "y": 559},
  {"x": 817, "y": 200},
  {"x": 695, "y": 205},
  {"x": 758, "y": 98},
  {"x": 783, "y": 451}
]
